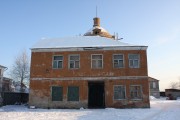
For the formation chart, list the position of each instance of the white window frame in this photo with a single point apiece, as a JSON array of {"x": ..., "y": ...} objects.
[
  {"x": 124, "y": 91},
  {"x": 134, "y": 61},
  {"x": 69, "y": 61},
  {"x": 140, "y": 92},
  {"x": 118, "y": 60},
  {"x": 98, "y": 59},
  {"x": 57, "y": 61}
]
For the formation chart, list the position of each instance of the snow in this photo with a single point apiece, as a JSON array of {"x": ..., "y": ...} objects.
[
  {"x": 96, "y": 27},
  {"x": 152, "y": 98},
  {"x": 79, "y": 41},
  {"x": 161, "y": 109}
]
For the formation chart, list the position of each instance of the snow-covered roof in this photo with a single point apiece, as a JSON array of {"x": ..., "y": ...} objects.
[
  {"x": 96, "y": 27},
  {"x": 2, "y": 66},
  {"x": 79, "y": 42}
]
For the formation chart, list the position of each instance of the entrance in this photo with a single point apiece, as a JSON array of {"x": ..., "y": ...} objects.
[{"x": 96, "y": 97}]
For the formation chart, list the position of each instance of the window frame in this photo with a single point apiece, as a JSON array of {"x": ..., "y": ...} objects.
[
  {"x": 118, "y": 61},
  {"x": 96, "y": 60},
  {"x": 124, "y": 91},
  {"x": 68, "y": 94},
  {"x": 69, "y": 61},
  {"x": 154, "y": 85},
  {"x": 141, "y": 93},
  {"x": 151, "y": 84},
  {"x": 134, "y": 61},
  {"x": 52, "y": 94},
  {"x": 57, "y": 61}
]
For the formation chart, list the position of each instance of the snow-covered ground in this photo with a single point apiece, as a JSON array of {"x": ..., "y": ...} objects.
[{"x": 161, "y": 109}]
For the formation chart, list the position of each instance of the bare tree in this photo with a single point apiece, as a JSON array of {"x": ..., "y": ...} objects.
[
  {"x": 20, "y": 71},
  {"x": 174, "y": 85}
]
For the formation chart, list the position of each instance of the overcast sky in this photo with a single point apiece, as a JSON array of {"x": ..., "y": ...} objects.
[{"x": 155, "y": 23}]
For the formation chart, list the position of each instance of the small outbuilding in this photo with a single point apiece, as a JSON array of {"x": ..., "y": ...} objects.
[
  {"x": 172, "y": 94},
  {"x": 154, "y": 87}
]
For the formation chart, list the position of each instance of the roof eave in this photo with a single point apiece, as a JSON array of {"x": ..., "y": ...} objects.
[
  {"x": 3, "y": 66},
  {"x": 91, "y": 48}
]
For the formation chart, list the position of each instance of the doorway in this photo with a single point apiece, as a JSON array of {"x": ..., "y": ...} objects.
[{"x": 96, "y": 98}]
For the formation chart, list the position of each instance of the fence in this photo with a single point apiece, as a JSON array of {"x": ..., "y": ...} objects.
[{"x": 11, "y": 98}]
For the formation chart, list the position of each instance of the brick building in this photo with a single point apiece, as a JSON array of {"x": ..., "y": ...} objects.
[
  {"x": 91, "y": 71},
  {"x": 154, "y": 87}
]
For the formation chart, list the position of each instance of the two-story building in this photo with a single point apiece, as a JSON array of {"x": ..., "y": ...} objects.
[
  {"x": 5, "y": 83},
  {"x": 2, "y": 69},
  {"x": 154, "y": 87},
  {"x": 91, "y": 71}
]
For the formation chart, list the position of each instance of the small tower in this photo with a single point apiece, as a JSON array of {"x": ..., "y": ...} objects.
[
  {"x": 97, "y": 30},
  {"x": 96, "y": 22}
]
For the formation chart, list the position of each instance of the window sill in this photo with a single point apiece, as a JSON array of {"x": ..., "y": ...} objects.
[
  {"x": 119, "y": 99},
  {"x": 119, "y": 68},
  {"x": 96, "y": 68},
  {"x": 74, "y": 68},
  {"x": 57, "y": 68},
  {"x": 72, "y": 101},
  {"x": 137, "y": 99}
]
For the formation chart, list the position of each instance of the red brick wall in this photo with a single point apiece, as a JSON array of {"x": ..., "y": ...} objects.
[
  {"x": 128, "y": 102},
  {"x": 41, "y": 94},
  {"x": 42, "y": 62},
  {"x": 41, "y": 67}
]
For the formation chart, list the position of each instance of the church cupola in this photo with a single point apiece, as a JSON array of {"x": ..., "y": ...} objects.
[{"x": 97, "y": 30}]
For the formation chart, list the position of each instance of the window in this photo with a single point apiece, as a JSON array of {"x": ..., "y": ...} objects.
[
  {"x": 57, "y": 93},
  {"x": 119, "y": 92},
  {"x": 73, "y": 93},
  {"x": 96, "y": 61},
  {"x": 118, "y": 61},
  {"x": 134, "y": 60},
  {"x": 135, "y": 91},
  {"x": 151, "y": 85},
  {"x": 74, "y": 61},
  {"x": 57, "y": 62},
  {"x": 154, "y": 84}
]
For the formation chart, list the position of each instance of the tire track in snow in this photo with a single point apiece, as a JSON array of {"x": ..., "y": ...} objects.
[{"x": 165, "y": 106}]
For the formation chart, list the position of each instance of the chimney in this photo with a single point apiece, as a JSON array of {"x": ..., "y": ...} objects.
[{"x": 96, "y": 22}]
